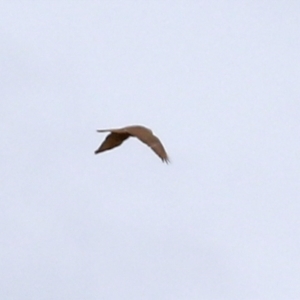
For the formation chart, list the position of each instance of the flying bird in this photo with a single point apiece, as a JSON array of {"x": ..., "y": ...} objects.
[{"x": 119, "y": 135}]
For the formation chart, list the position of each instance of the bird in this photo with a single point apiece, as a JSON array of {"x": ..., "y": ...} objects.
[{"x": 118, "y": 135}]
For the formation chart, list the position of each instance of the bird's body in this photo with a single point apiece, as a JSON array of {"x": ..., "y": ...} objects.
[{"x": 119, "y": 135}]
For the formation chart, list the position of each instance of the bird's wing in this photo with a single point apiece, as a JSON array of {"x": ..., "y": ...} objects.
[
  {"x": 159, "y": 149},
  {"x": 146, "y": 136},
  {"x": 111, "y": 141}
]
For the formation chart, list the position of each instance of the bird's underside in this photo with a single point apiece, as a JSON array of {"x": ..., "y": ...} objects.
[{"x": 119, "y": 135}]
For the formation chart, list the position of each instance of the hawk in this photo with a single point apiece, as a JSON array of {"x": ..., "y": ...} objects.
[{"x": 119, "y": 135}]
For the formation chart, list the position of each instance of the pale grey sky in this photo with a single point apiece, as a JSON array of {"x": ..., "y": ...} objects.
[{"x": 218, "y": 82}]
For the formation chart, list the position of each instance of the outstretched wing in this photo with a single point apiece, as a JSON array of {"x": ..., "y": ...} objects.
[
  {"x": 111, "y": 141},
  {"x": 146, "y": 136},
  {"x": 159, "y": 149}
]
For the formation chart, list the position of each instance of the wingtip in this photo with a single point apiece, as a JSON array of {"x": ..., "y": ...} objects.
[{"x": 166, "y": 160}]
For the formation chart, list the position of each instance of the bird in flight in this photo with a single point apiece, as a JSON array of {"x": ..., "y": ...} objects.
[{"x": 119, "y": 135}]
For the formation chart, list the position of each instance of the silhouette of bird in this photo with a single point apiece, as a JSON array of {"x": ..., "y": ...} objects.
[{"x": 119, "y": 135}]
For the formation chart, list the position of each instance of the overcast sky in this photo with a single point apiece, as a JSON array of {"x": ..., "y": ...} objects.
[{"x": 218, "y": 82}]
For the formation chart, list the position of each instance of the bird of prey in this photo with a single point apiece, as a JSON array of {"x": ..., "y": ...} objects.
[{"x": 119, "y": 135}]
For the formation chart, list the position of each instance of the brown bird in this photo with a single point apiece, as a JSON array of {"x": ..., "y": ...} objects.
[{"x": 145, "y": 135}]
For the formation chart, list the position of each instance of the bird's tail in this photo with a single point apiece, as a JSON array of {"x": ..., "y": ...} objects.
[{"x": 103, "y": 130}]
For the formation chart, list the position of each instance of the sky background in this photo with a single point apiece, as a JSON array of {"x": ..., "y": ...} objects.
[{"x": 218, "y": 82}]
